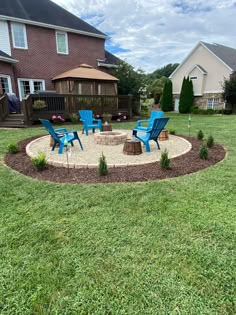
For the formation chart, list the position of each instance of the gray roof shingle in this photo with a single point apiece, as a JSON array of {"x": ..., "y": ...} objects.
[
  {"x": 47, "y": 12},
  {"x": 226, "y": 54},
  {"x": 4, "y": 55}
]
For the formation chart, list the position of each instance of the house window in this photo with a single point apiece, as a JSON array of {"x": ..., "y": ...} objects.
[
  {"x": 5, "y": 84},
  {"x": 193, "y": 78},
  {"x": 19, "y": 36},
  {"x": 212, "y": 103},
  {"x": 29, "y": 86},
  {"x": 62, "y": 43}
]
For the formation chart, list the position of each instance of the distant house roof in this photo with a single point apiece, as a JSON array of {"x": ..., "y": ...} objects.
[
  {"x": 111, "y": 61},
  {"x": 6, "y": 58},
  {"x": 85, "y": 72},
  {"x": 45, "y": 12},
  {"x": 226, "y": 54}
]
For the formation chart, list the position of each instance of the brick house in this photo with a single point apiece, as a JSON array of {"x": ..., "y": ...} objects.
[
  {"x": 207, "y": 65},
  {"x": 39, "y": 40}
]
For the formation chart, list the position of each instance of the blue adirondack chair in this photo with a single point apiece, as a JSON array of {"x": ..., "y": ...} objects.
[
  {"x": 61, "y": 136},
  {"x": 152, "y": 133},
  {"x": 154, "y": 114},
  {"x": 86, "y": 116}
]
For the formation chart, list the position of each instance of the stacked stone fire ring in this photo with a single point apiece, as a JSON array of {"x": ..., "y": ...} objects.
[{"x": 110, "y": 137}]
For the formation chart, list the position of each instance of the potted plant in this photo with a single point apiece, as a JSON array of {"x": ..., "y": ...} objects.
[
  {"x": 106, "y": 118},
  {"x": 39, "y": 104}
]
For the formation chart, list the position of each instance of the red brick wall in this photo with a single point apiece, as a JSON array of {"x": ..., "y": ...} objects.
[
  {"x": 7, "y": 69},
  {"x": 41, "y": 61}
]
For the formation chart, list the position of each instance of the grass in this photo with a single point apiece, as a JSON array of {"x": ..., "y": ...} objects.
[{"x": 164, "y": 247}]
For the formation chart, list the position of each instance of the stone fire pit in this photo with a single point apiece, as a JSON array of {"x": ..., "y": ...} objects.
[{"x": 110, "y": 137}]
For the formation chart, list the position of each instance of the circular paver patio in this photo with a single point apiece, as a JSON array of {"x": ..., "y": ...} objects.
[{"x": 88, "y": 158}]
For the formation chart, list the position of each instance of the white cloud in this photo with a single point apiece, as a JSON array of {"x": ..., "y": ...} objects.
[{"x": 150, "y": 34}]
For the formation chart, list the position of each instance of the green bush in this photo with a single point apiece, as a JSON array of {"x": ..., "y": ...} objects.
[
  {"x": 12, "y": 148},
  {"x": 106, "y": 117},
  {"x": 165, "y": 161},
  {"x": 227, "y": 111},
  {"x": 39, "y": 104},
  {"x": 74, "y": 118},
  {"x": 203, "y": 152},
  {"x": 210, "y": 142},
  {"x": 102, "y": 166},
  {"x": 172, "y": 131},
  {"x": 200, "y": 135},
  {"x": 39, "y": 161}
]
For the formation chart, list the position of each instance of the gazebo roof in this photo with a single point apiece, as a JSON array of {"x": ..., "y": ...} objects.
[{"x": 85, "y": 71}]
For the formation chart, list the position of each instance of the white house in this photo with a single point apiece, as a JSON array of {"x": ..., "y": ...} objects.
[{"x": 207, "y": 65}]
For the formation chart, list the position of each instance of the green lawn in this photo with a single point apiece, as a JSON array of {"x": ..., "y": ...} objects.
[{"x": 164, "y": 247}]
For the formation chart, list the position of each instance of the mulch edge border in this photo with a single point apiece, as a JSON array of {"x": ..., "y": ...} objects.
[{"x": 100, "y": 180}]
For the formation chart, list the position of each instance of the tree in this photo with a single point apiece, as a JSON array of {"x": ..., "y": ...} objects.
[
  {"x": 130, "y": 81},
  {"x": 166, "y": 99},
  {"x": 164, "y": 71},
  {"x": 229, "y": 90},
  {"x": 155, "y": 89},
  {"x": 186, "y": 96}
]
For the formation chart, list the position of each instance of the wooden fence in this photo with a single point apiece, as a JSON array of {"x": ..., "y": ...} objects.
[{"x": 67, "y": 104}]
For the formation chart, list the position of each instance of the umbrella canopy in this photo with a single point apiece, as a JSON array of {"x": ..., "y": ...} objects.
[{"x": 85, "y": 71}]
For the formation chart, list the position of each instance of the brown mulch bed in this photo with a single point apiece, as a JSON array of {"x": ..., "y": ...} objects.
[{"x": 182, "y": 165}]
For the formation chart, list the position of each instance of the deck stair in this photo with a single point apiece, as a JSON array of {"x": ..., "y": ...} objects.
[{"x": 13, "y": 121}]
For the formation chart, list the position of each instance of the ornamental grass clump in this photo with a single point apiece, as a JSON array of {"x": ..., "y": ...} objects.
[
  {"x": 165, "y": 161},
  {"x": 13, "y": 148},
  {"x": 40, "y": 161},
  {"x": 210, "y": 142},
  {"x": 102, "y": 166},
  {"x": 203, "y": 151},
  {"x": 200, "y": 135}
]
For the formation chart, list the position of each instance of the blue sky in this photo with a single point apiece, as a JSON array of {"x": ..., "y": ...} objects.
[{"x": 151, "y": 34}]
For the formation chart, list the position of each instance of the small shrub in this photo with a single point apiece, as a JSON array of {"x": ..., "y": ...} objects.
[
  {"x": 102, "y": 166},
  {"x": 12, "y": 148},
  {"x": 106, "y": 117},
  {"x": 165, "y": 161},
  {"x": 39, "y": 104},
  {"x": 210, "y": 142},
  {"x": 203, "y": 152},
  {"x": 200, "y": 135},
  {"x": 39, "y": 161},
  {"x": 74, "y": 118},
  {"x": 172, "y": 131},
  {"x": 227, "y": 111}
]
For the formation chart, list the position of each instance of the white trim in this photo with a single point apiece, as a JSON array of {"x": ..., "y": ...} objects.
[
  {"x": 219, "y": 91},
  {"x": 106, "y": 65},
  {"x": 66, "y": 39},
  {"x": 9, "y": 60},
  {"x": 31, "y": 81},
  {"x": 25, "y": 36},
  {"x": 198, "y": 44},
  {"x": 8, "y": 80},
  {"x": 60, "y": 28},
  {"x": 197, "y": 66}
]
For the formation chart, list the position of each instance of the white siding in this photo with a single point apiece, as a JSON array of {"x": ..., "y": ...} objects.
[{"x": 4, "y": 38}]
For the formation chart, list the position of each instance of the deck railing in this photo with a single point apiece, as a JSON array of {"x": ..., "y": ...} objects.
[
  {"x": 4, "y": 109},
  {"x": 67, "y": 104}
]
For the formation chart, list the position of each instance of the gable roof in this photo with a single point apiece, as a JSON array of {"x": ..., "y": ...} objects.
[
  {"x": 6, "y": 58},
  {"x": 111, "y": 61},
  {"x": 226, "y": 55},
  {"x": 45, "y": 12},
  {"x": 203, "y": 71}
]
